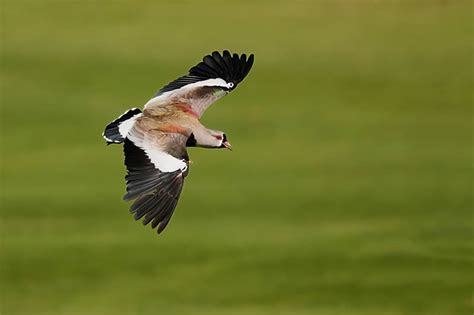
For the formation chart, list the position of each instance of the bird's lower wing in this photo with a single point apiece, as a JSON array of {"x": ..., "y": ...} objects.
[{"x": 155, "y": 178}]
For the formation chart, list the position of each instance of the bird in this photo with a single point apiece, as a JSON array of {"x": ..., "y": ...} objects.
[{"x": 155, "y": 140}]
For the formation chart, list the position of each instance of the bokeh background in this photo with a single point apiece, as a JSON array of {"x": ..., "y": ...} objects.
[{"x": 349, "y": 190}]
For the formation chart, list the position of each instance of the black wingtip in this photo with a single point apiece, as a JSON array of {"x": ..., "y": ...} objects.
[{"x": 230, "y": 67}]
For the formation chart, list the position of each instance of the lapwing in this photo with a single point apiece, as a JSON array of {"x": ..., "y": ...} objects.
[{"x": 155, "y": 139}]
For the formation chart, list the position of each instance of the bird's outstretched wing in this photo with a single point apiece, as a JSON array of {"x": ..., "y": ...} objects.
[
  {"x": 157, "y": 164},
  {"x": 215, "y": 76}
]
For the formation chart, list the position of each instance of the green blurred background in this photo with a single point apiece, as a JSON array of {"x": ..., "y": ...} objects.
[{"x": 349, "y": 190}]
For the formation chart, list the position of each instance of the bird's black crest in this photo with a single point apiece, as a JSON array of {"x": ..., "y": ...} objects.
[{"x": 231, "y": 68}]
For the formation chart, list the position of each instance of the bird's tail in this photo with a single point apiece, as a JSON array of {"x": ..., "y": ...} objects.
[{"x": 117, "y": 130}]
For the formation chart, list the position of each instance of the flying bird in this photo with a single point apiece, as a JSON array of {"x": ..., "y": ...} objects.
[{"x": 155, "y": 139}]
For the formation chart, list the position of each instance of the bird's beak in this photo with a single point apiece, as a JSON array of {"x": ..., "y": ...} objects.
[{"x": 227, "y": 145}]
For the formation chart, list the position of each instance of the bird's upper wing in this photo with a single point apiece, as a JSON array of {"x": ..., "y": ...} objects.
[
  {"x": 215, "y": 76},
  {"x": 157, "y": 164}
]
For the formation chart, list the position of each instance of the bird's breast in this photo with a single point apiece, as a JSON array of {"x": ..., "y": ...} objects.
[{"x": 175, "y": 128}]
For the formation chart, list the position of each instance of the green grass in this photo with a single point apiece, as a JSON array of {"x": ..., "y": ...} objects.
[{"x": 349, "y": 190}]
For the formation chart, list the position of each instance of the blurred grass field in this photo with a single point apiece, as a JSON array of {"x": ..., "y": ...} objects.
[{"x": 349, "y": 190}]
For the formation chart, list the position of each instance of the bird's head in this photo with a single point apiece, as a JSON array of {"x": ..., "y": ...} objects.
[
  {"x": 209, "y": 139},
  {"x": 221, "y": 140}
]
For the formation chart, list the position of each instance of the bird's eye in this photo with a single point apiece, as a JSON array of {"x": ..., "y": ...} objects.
[{"x": 230, "y": 84}]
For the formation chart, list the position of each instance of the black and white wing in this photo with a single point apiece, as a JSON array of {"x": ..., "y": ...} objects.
[
  {"x": 215, "y": 76},
  {"x": 157, "y": 165}
]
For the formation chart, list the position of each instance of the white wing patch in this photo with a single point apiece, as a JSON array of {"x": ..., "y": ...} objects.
[
  {"x": 163, "y": 161},
  {"x": 167, "y": 95}
]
